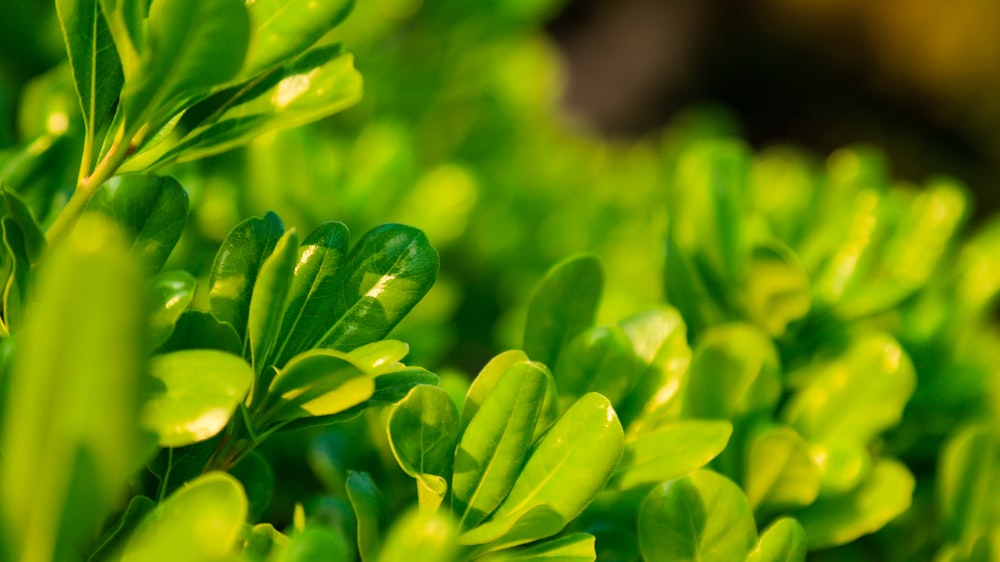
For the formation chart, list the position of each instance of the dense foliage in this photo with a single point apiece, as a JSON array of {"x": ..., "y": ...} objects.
[{"x": 760, "y": 357}]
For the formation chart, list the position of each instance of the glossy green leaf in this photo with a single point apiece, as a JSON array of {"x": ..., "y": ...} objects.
[
  {"x": 567, "y": 468},
  {"x": 734, "y": 372},
  {"x": 486, "y": 381},
  {"x": 380, "y": 357},
  {"x": 318, "y": 84},
  {"x": 149, "y": 210},
  {"x": 969, "y": 473},
  {"x": 880, "y": 498},
  {"x": 236, "y": 266},
  {"x": 200, "y": 522},
  {"x": 191, "y": 46},
  {"x": 115, "y": 538},
  {"x": 431, "y": 490},
  {"x": 367, "y": 502},
  {"x": 15, "y": 290},
  {"x": 671, "y": 451},
  {"x": 284, "y": 29},
  {"x": 257, "y": 478},
  {"x": 495, "y": 444},
  {"x": 599, "y": 360},
  {"x": 423, "y": 431},
  {"x": 780, "y": 472},
  {"x": 421, "y": 536},
  {"x": 659, "y": 338},
  {"x": 172, "y": 292},
  {"x": 17, "y": 209},
  {"x": 316, "y": 383},
  {"x": 857, "y": 396},
  {"x": 314, "y": 543},
  {"x": 79, "y": 354},
  {"x": 201, "y": 389},
  {"x": 577, "y": 547},
  {"x": 386, "y": 274},
  {"x": 783, "y": 541},
  {"x": 197, "y": 329},
  {"x": 563, "y": 305},
  {"x": 97, "y": 72},
  {"x": 702, "y": 517},
  {"x": 320, "y": 259},
  {"x": 267, "y": 303}
]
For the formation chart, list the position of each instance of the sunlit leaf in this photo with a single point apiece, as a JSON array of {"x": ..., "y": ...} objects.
[
  {"x": 423, "y": 430},
  {"x": 672, "y": 451},
  {"x": 783, "y": 541},
  {"x": 283, "y": 29},
  {"x": 316, "y": 383},
  {"x": 172, "y": 292},
  {"x": 421, "y": 536},
  {"x": 267, "y": 303},
  {"x": 780, "y": 471}
]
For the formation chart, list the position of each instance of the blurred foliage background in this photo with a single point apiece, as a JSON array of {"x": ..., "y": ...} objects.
[{"x": 517, "y": 132}]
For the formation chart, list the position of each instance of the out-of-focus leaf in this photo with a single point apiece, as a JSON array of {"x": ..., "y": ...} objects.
[
  {"x": 201, "y": 389},
  {"x": 236, "y": 266},
  {"x": 314, "y": 543},
  {"x": 563, "y": 305},
  {"x": 321, "y": 82},
  {"x": 702, "y": 517},
  {"x": 671, "y": 451},
  {"x": 857, "y": 396},
  {"x": 97, "y": 72},
  {"x": 15, "y": 290},
  {"x": 421, "y": 536},
  {"x": 577, "y": 547},
  {"x": 566, "y": 469},
  {"x": 386, "y": 274},
  {"x": 880, "y": 498},
  {"x": 200, "y": 522},
  {"x": 191, "y": 46},
  {"x": 423, "y": 430},
  {"x": 968, "y": 481},
  {"x": 117, "y": 535},
  {"x": 734, "y": 372},
  {"x": 149, "y": 210},
  {"x": 777, "y": 289},
  {"x": 599, "y": 360},
  {"x": 780, "y": 473},
  {"x": 172, "y": 292},
  {"x": 367, "y": 501},
  {"x": 320, "y": 261},
  {"x": 284, "y": 29},
  {"x": 267, "y": 303},
  {"x": 80, "y": 353},
  {"x": 316, "y": 383},
  {"x": 17, "y": 210},
  {"x": 261, "y": 541},
  {"x": 255, "y": 474},
  {"x": 197, "y": 329},
  {"x": 783, "y": 541},
  {"x": 495, "y": 444}
]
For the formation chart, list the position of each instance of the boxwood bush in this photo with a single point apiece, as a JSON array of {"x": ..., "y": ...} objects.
[{"x": 814, "y": 374}]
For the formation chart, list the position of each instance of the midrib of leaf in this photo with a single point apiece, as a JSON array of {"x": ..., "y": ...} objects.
[
  {"x": 493, "y": 456},
  {"x": 551, "y": 473},
  {"x": 298, "y": 315}
]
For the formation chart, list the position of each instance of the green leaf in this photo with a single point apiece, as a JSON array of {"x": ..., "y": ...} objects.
[
  {"x": 114, "y": 539},
  {"x": 316, "y": 383},
  {"x": 783, "y": 541},
  {"x": 15, "y": 292},
  {"x": 968, "y": 476},
  {"x": 267, "y": 302},
  {"x": 367, "y": 501},
  {"x": 261, "y": 541},
  {"x": 314, "y": 543},
  {"x": 149, "y": 210},
  {"x": 777, "y": 289},
  {"x": 20, "y": 213},
  {"x": 320, "y": 259},
  {"x": 734, "y": 373},
  {"x": 563, "y": 305},
  {"x": 201, "y": 389},
  {"x": 255, "y": 474},
  {"x": 780, "y": 472},
  {"x": 599, "y": 360},
  {"x": 423, "y": 430},
  {"x": 200, "y": 522},
  {"x": 495, "y": 444},
  {"x": 197, "y": 329},
  {"x": 97, "y": 72},
  {"x": 856, "y": 396},
  {"x": 318, "y": 84},
  {"x": 63, "y": 468},
  {"x": 884, "y": 495},
  {"x": 283, "y": 29},
  {"x": 672, "y": 451},
  {"x": 567, "y": 468},
  {"x": 577, "y": 547},
  {"x": 236, "y": 266},
  {"x": 386, "y": 274},
  {"x": 172, "y": 292},
  {"x": 484, "y": 383},
  {"x": 702, "y": 517},
  {"x": 380, "y": 357},
  {"x": 421, "y": 536},
  {"x": 191, "y": 46}
]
